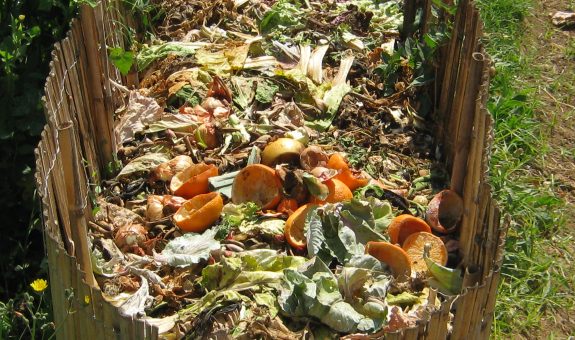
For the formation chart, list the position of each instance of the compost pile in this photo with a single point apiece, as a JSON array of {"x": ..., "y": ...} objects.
[{"x": 277, "y": 176}]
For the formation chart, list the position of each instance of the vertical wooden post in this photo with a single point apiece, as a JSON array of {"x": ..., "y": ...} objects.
[
  {"x": 95, "y": 80},
  {"x": 75, "y": 200}
]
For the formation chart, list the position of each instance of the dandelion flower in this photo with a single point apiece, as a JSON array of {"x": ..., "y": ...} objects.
[
  {"x": 87, "y": 299},
  {"x": 39, "y": 285}
]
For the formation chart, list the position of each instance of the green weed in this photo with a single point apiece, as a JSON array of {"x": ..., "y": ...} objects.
[{"x": 531, "y": 281}]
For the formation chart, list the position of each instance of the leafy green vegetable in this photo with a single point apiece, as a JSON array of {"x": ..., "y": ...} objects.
[
  {"x": 243, "y": 91},
  {"x": 261, "y": 267},
  {"x": 283, "y": 13},
  {"x": 315, "y": 186},
  {"x": 317, "y": 294},
  {"x": 143, "y": 164},
  {"x": 447, "y": 280},
  {"x": 187, "y": 94},
  {"x": 314, "y": 233},
  {"x": 189, "y": 249},
  {"x": 266, "y": 91},
  {"x": 175, "y": 122},
  {"x": 235, "y": 214},
  {"x": 403, "y": 299},
  {"x": 267, "y": 227},
  {"x": 149, "y": 54}
]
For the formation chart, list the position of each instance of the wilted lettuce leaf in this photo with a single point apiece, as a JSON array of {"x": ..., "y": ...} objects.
[
  {"x": 187, "y": 94},
  {"x": 315, "y": 186},
  {"x": 243, "y": 91},
  {"x": 363, "y": 276},
  {"x": 189, "y": 249},
  {"x": 143, "y": 164},
  {"x": 403, "y": 299},
  {"x": 151, "y": 53},
  {"x": 359, "y": 216},
  {"x": 211, "y": 300},
  {"x": 266, "y": 91},
  {"x": 260, "y": 266},
  {"x": 221, "y": 274},
  {"x": 268, "y": 300},
  {"x": 314, "y": 233},
  {"x": 316, "y": 294},
  {"x": 235, "y": 214},
  {"x": 341, "y": 230},
  {"x": 267, "y": 227},
  {"x": 176, "y": 122},
  {"x": 282, "y": 13}
]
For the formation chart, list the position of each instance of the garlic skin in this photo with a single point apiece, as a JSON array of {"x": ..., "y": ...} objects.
[{"x": 165, "y": 171}]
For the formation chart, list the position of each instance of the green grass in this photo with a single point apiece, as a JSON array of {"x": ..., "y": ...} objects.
[{"x": 532, "y": 282}]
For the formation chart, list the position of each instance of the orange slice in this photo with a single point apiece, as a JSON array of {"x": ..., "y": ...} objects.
[
  {"x": 200, "y": 212},
  {"x": 193, "y": 180},
  {"x": 294, "y": 227},
  {"x": 415, "y": 244},
  {"x": 259, "y": 184},
  {"x": 338, "y": 192},
  {"x": 404, "y": 225},
  {"x": 395, "y": 257}
]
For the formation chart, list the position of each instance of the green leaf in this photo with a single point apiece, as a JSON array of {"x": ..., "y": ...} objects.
[
  {"x": 403, "y": 299},
  {"x": 222, "y": 274},
  {"x": 123, "y": 60},
  {"x": 314, "y": 233},
  {"x": 315, "y": 186},
  {"x": 266, "y": 91},
  {"x": 189, "y": 249},
  {"x": 143, "y": 164}
]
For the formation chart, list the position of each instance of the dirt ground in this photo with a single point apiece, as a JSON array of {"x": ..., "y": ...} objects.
[{"x": 552, "y": 53}]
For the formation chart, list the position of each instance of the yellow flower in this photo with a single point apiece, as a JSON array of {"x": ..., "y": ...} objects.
[
  {"x": 39, "y": 285},
  {"x": 87, "y": 299}
]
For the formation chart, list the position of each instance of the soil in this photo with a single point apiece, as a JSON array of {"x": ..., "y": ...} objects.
[{"x": 551, "y": 51}]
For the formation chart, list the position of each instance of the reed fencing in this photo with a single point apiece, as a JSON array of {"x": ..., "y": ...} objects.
[{"x": 77, "y": 146}]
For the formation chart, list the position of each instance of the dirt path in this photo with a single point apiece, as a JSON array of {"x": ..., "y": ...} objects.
[{"x": 552, "y": 54}]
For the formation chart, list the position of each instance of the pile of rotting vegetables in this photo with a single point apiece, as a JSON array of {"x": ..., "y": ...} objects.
[{"x": 278, "y": 176}]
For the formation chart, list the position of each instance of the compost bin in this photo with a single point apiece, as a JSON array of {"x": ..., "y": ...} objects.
[{"x": 117, "y": 280}]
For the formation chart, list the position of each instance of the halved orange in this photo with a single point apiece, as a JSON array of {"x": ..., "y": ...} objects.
[
  {"x": 414, "y": 246},
  {"x": 193, "y": 180},
  {"x": 257, "y": 183},
  {"x": 404, "y": 225},
  {"x": 395, "y": 257},
  {"x": 294, "y": 227},
  {"x": 338, "y": 192},
  {"x": 338, "y": 162},
  {"x": 199, "y": 213}
]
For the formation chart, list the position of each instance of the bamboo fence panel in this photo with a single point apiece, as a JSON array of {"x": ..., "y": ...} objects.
[{"x": 78, "y": 144}]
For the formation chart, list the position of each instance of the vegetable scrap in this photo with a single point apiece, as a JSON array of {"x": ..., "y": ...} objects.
[{"x": 279, "y": 176}]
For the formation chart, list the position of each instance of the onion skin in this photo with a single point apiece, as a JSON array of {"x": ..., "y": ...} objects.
[
  {"x": 211, "y": 103},
  {"x": 165, "y": 171},
  {"x": 282, "y": 150},
  {"x": 312, "y": 157},
  {"x": 131, "y": 236},
  {"x": 160, "y": 206}
]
